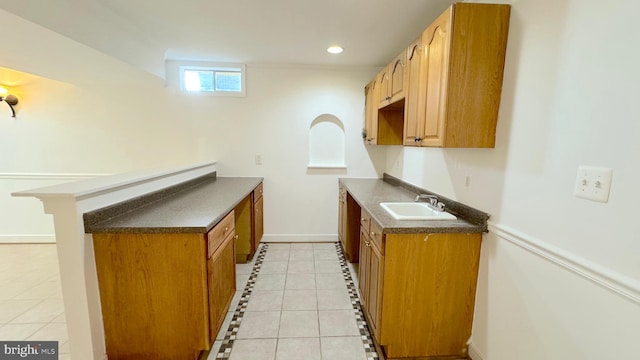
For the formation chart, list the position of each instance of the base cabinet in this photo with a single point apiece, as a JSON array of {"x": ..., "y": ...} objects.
[
  {"x": 371, "y": 281},
  {"x": 258, "y": 220},
  {"x": 342, "y": 216},
  {"x": 249, "y": 225},
  {"x": 164, "y": 296},
  {"x": 221, "y": 280},
  {"x": 348, "y": 225},
  {"x": 244, "y": 229},
  {"x": 418, "y": 291}
]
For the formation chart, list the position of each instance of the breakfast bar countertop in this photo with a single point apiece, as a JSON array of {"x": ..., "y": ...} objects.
[
  {"x": 194, "y": 207},
  {"x": 369, "y": 193}
]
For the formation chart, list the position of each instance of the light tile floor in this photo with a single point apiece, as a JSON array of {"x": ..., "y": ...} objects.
[
  {"x": 294, "y": 301},
  {"x": 299, "y": 302},
  {"x": 30, "y": 296}
]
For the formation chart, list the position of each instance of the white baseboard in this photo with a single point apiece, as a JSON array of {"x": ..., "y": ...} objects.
[
  {"x": 474, "y": 353},
  {"x": 27, "y": 239},
  {"x": 598, "y": 274},
  {"x": 300, "y": 238}
]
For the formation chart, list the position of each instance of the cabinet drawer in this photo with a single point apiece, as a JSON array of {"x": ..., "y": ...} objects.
[
  {"x": 375, "y": 233},
  {"x": 219, "y": 232},
  {"x": 257, "y": 193},
  {"x": 365, "y": 220}
]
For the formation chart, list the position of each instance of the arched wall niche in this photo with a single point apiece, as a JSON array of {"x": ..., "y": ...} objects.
[{"x": 327, "y": 143}]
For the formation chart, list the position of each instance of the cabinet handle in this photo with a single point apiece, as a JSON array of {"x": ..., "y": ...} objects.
[
  {"x": 226, "y": 228},
  {"x": 236, "y": 237}
]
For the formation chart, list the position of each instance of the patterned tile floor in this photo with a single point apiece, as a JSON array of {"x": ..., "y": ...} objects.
[
  {"x": 31, "y": 305},
  {"x": 299, "y": 302},
  {"x": 295, "y": 301}
]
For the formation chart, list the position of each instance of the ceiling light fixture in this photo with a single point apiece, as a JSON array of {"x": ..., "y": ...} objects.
[
  {"x": 11, "y": 100},
  {"x": 335, "y": 49}
]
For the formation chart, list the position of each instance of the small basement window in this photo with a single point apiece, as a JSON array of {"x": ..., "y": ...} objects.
[{"x": 218, "y": 80}]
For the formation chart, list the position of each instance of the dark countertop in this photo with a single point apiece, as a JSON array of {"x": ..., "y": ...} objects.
[
  {"x": 369, "y": 193},
  {"x": 192, "y": 208}
]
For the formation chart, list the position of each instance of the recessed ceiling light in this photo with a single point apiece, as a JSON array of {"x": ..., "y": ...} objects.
[{"x": 335, "y": 49}]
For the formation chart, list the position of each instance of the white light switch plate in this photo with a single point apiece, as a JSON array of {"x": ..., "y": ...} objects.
[{"x": 593, "y": 183}]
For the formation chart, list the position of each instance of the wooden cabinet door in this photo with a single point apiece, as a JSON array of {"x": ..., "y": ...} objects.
[
  {"x": 362, "y": 268},
  {"x": 414, "y": 94},
  {"x": 375, "y": 271},
  {"x": 437, "y": 44},
  {"x": 371, "y": 112},
  {"x": 384, "y": 93},
  {"x": 397, "y": 70},
  {"x": 258, "y": 221},
  {"x": 243, "y": 228},
  {"x": 221, "y": 278},
  {"x": 342, "y": 219},
  {"x": 153, "y": 291},
  {"x": 370, "y": 281}
]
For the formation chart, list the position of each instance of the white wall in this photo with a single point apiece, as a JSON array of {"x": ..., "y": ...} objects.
[
  {"x": 274, "y": 121},
  {"x": 84, "y": 112},
  {"x": 80, "y": 112},
  {"x": 569, "y": 99}
]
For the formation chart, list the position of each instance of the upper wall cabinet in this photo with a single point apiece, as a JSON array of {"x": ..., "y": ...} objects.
[
  {"x": 381, "y": 126},
  {"x": 464, "y": 62},
  {"x": 453, "y": 78},
  {"x": 414, "y": 98},
  {"x": 391, "y": 80},
  {"x": 371, "y": 101},
  {"x": 396, "y": 71},
  {"x": 431, "y": 119},
  {"x": 384, "y": 81}
]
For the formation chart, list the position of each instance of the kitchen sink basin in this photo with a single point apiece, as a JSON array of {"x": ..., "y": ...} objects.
[{"x": 415, "y": 211}]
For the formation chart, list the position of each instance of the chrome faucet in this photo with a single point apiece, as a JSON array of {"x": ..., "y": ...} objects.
[{"x": 433, "y": 201}]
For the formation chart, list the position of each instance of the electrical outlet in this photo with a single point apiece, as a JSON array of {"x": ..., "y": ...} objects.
[
  {"x": 258, "y": 159},
  {"x": 593, "y": 183}
]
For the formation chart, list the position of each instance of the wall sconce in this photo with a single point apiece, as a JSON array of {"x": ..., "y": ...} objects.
[{"x": 11, "y": 100}]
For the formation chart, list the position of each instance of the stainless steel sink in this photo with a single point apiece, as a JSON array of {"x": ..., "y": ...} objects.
[{"x": 415, "y": 211}]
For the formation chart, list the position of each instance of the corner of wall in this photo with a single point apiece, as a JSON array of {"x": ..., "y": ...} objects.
[{"x": 474, "y": 353}]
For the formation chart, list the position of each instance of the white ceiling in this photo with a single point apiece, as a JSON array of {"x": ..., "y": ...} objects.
[{"x": 145, "y": 33}]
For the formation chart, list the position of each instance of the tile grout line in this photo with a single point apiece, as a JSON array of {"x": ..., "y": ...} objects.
[
  {"x": 315, "y": 279},
  {"x": 35, "y": 279},
  {"x": 232, "y": 331},
  {"x": 365, "y": 334},
  {"x": 286, "y": 275},
  {"x": 227, "y": 343},
  {"x": 40, "y": 301}
]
